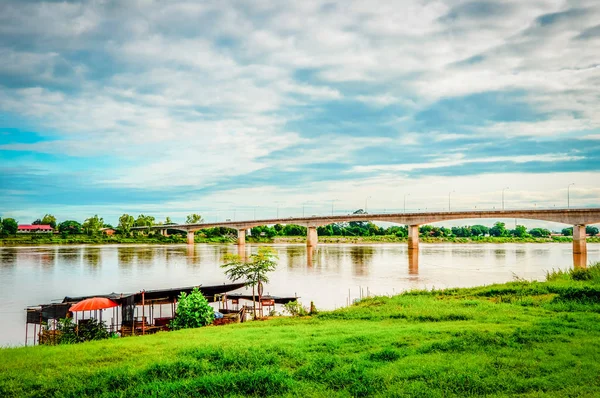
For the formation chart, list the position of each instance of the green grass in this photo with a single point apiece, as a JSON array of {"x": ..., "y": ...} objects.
[{"x": 521, "y": 338}]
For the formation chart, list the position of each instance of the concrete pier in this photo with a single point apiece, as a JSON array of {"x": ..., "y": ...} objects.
[
  {"x": 413, "y": 237},
  {"x": 312, "y": 238},
  {"x": 241, "y": 238},
  {"x": 579, "y": 243},
  {"x": 190, "y": 237}
]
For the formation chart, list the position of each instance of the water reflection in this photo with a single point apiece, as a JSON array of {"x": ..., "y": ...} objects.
[
  {"x": 361, "y": 257},
  {"x": 125, "y": 257},
  {"x": 323, "y": 274},
  {"x": 413, "y": 261},
  {"x": 91, "y": 256},
  {"x": 580, "y": 260},
  {"x": 310, "y": 253},
  {"x": 8, "y": 258}
]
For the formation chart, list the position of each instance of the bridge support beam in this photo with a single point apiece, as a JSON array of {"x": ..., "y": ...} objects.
[
  {"x": 312, "y": 238},
  {"x": 163, "y": 232},
  {"x": 241, "y": 238},
  {"x": 579, "y": 243},
  {"x": 190, "y": 237},
  {"x": 413, "y": 237}
]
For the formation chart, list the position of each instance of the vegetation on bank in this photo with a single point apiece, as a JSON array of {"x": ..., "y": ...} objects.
[
  {"x": 519, "y": 338},
  {"x": 95, "y": 230},
  {"x": 45, "y": 239}
]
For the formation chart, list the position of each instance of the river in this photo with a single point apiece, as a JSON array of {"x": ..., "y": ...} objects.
[{"x": 325, "y": 275}]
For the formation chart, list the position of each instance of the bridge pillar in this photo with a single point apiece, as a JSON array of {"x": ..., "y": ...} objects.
[
  {"x": 190, "y": 237},
  {"x": 311, "y": 237},
  {"x": 241, "y": 238},
  {"x": 579, "y": 243},
  {"x": 413, "y": 237},
  {"x": 163, "y": 232}
]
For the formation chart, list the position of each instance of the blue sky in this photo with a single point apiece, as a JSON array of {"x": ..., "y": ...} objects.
[{"x": 232, "y": 108}]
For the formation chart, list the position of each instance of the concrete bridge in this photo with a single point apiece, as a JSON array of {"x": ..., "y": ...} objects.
[{"x": 578, "y": 218}]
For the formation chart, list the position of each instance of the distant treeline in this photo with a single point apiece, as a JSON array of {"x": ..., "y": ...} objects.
[{"x": 95, "y": 226}]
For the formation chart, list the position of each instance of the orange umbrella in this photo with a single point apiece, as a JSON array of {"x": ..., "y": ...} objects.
[{"x": 94, "y": 303}]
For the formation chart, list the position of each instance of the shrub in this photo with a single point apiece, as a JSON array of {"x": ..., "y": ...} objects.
[
  {"x": 193, "y": 311},
  {"x": 294, "y": 308}
]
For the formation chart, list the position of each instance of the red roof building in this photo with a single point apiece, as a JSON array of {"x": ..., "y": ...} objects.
[{"x": 28, "y": 229}]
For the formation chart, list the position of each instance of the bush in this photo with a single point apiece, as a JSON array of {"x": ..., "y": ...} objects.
[
  {"x": 294, "y": 308},
  {"x": 193, "y": 311}
]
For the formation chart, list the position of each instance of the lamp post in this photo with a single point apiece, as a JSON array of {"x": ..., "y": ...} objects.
[
  {"x": 332, "y": 201},
  {"x": 449, "y": 193},
  {"x": 405, "y": 195},
  {"x": 569, "y": 195},
  {"x": 503, "y": 189}
]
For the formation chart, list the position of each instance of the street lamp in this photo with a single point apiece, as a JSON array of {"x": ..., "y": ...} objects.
[
  {"x": 569, "y": 195},
  {"x": 405, "y": 195},
  {"x": 332, "y": 201},
  {"x": 503, "y": 189},
  {"x": 449, "y": 193}
]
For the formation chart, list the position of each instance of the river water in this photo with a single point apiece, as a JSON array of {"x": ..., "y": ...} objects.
[{"x": 327, "y": 275}]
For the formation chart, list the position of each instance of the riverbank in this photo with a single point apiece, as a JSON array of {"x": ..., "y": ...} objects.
[
  {"x": 30, "y": 240},
  {"x": 528, "y": 338}
]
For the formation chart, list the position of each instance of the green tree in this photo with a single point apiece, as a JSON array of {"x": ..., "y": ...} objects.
[
  {"x": 168, "y": 220},
  {"x": 144, "y": 221},
  {"x": 591, "y": 230},
  {"x": 49, "y": 219},
  {"x": 193, "y": 311},
  {"x": 125, "y": 223},
  {"x": 9, "y": 226},
  {"x": 194, "y": 219},
  {"x": 479, "y": 230},
  {"x": 520, "y": 231},
  {"x": 499, "y": 229},
  {"x": 70, "y": 227},
  {"x": 567, "y": 231},
  {"x": 252, "y": 272},
  {"x": 540, "y": 232},
  {"x": 92, "y": 225}
]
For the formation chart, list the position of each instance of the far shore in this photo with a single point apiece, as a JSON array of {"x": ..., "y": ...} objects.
[{"x": 178, "y": 239}]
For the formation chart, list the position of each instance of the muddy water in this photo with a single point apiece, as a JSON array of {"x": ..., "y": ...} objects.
[{"x": 327, "y": 275}]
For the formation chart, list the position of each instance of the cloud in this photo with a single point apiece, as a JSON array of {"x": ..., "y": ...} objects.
[{"x": 203, "y": 98}]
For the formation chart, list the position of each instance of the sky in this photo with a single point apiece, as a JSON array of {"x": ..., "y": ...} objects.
[{"x": 243, "y": 109}]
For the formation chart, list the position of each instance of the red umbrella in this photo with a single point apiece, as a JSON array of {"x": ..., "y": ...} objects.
[{"x": 94, "y": 303}]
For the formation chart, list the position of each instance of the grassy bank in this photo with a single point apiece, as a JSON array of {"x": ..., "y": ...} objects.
[{"x": 520, "y": 338}]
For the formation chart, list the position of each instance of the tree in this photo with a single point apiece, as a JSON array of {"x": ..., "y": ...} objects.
[
  {"x": 194, "y": 219},
  {"x": 92, "y": 225},
  {"x": 540, "y": 232},
  {"x": 69, "y": 227},
  {"x": 9, "y": 226},
  {"x": 567, "y": 231},
  {"x": 193, "y": 311},
  {"x": 479, "y": 230},
  {"x": 591, "y": 230},
  {"x": 49, "y": 219},
  {"x": 499, "y": 229},
  {"x": 125, "y": 223},
  {"x": 252, "y": 272},
  {"x": 144, "y": 221},
  {"x": 520, "y": 231},
  {"x": 168, "y": 220}
]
